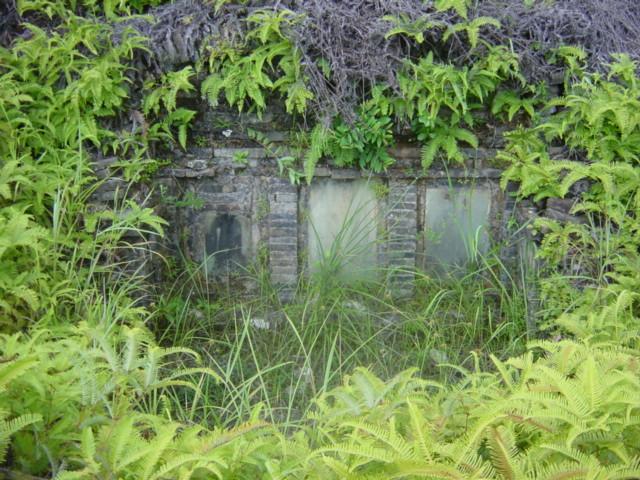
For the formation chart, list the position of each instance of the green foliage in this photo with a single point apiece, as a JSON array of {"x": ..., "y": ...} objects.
[
  {"x": 564, "y": 409},
  {"x": 109, "y": 8},
  {"x": 597, "y": 120},
  {"x": 266, "y": 63},
  {"x": 282, "y": 355},
  {"x": 414, "y": 29},
  {"x": 153, "y": 448},
  {"x": 164, "y": 98},
  {"x": 364, "y": 144},
  {"x": 598, "y": 117},
  {"x": 439, "y": 99},
  {"x": 9, "y": 370},
  {"x": 53, "y": 101},
  {"x": 510, "y": 103},
  {"x": 93, "y": 402},
  {"x": 101, "y": 399},
  {"x": 444, "y": 137},
  {"x": 605, "y": 316},
  {"x": 431, "y": 88},
  {"x": 286, "y": 158},
  {"x": 436, "y": 98},
  {"x": 459, "y": 6},
  {"x": 471, "y": 28}
]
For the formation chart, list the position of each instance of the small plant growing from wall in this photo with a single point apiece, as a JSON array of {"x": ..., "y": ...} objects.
[{"x": 241, "y": 158}]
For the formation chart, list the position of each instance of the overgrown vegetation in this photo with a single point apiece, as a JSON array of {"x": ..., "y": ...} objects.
[
  {"x": 195, "y": 385},
  {"x": 283, "y": 355}
]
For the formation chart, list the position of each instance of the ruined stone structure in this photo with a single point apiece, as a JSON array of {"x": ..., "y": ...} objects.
[{"x": 228, "y": 205}]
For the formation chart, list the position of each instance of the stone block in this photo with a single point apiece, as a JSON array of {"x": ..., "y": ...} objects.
[
  {"x": 343, "y": 227},
  {"x": 457, "y": 220}
]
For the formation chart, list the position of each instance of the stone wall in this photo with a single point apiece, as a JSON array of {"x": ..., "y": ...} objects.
[
  {"x": 228, "y": 206},
  {"x": 348, "y": 222}
]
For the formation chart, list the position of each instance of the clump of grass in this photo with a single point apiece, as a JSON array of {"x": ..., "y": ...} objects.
[{"x": 283, "y": 355}]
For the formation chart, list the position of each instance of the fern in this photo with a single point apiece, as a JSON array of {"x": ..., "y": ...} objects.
[
  {"x": 92, "y": 372},
  {"x": 561, "y": 414},
  {"x": 267, "y": 63},
  {"x": 459, "y": 6},
  {"x": 513, "y": 103},
  {"x": 471, "y": 28},
  {"x": 54, "y": 102},
  {"x": 597, "y": 121},
  {"x": 403, "y": 25},
  {"x": 446, "y": 138},
  {"x": 317, "y": 147},
  {"x": 10, "y": 427},
  {"x": 503, "y": 451},
  {"x": 164, "y": 98}
]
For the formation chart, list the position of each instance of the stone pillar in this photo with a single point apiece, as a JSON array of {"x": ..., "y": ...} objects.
[
  {"x": 401, "y": 223},
  {"x": 283, "y": 235}
]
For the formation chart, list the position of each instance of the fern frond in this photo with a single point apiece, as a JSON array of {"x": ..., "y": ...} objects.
[
  {"x": 318, "y": 145},
  {"x": 502, "y": 447},
  {"x": 364, "y": 452},
  {"x": 222, "y": 437},
  {"x": 424, "y": 470},
  {"x": 10, "y": 427},
  {"x": 386, "y": 436},
  {"x": 191, "y": 462},
  {"x": 164, "y": 437},
  {"x": 420, "y": 431}
]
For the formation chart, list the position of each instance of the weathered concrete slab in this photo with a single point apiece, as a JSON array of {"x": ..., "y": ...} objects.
[
  {"x": 457, "y": 220},
  {"x": 343, "y": 228}
]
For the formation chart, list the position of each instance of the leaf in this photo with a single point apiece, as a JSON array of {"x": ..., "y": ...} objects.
[
  {"x": 27, "y": 295},
  {"x": 211, "y": 88},
  {"x": 428, "y": 153},
  {"x": 182, "y": 136},
  {"x": 575, "y": 174},
  {"x": 460, "y": 6},
  {"x": 503, "y": 450},
  {"x": 88, "y": 444},
  {"x": 466, "y": 136}
]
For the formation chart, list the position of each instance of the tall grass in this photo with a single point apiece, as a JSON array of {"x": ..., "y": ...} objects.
[{"x": 282, "y": 355}]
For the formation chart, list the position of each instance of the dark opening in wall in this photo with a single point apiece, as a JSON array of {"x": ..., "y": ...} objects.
[{"x": 223, "y": 243}]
